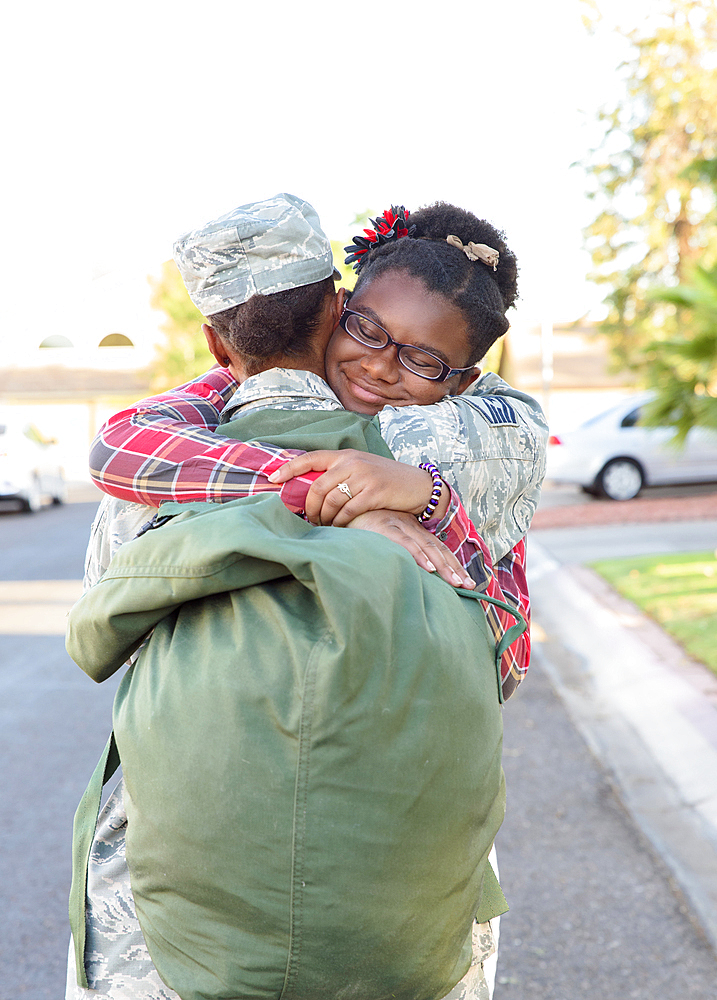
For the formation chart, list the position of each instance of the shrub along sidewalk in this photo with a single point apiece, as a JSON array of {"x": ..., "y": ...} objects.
[{"x": 679, "y": 591}]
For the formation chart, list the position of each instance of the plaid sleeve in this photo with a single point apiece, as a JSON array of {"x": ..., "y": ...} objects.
[
  {"x": 505, "y": 581},
  {"x": 165, "y": 448}
]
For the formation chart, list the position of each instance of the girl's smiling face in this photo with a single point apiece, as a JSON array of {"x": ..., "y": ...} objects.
[{"x": 365, "y": 379}]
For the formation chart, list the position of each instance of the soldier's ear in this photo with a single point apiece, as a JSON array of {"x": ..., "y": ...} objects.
[
  {"x": 216, "y": 345},
  {"x": 468, "y": 378},
  {"x": 337, "y": 305}
]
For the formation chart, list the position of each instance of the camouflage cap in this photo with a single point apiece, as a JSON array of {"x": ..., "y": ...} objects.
[{"x": 256, "y": 249}]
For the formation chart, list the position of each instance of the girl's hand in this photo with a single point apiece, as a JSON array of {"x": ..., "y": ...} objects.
[
  {"x": 375, "y": 483},
  {"x": 430, "y": 553}
]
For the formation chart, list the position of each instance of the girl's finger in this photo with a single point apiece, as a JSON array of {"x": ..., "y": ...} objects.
[
  {"x": 339, "y": 508},
  {"x": 312, "y": 461},
  {"x": 316, "y": 507}
]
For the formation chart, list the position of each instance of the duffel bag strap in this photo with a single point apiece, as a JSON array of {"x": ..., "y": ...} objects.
[
  {"x": 83, "y": 832},
  {"x": 513, "y": 633}
]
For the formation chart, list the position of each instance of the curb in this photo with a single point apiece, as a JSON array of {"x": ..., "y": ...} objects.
[{"x": 646, "y": 710}]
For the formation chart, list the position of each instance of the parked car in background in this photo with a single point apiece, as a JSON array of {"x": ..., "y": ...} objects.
[
  {"x": 30, "y": 468},
  {"x": 613, "y": 455}
]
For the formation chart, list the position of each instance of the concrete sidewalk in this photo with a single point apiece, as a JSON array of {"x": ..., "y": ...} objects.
[{"x": 645, "y": 709}]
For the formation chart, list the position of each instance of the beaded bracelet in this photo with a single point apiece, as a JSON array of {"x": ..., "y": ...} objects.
[{"x": 435, "y": 495}]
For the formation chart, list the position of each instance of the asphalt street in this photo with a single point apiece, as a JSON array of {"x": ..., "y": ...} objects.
[
  {"x": 595, "y": 910},
  {"x": 619, "y": 764},
  {"x": 54, "y": 722}
]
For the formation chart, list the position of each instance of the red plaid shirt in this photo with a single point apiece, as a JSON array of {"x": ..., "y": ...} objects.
[{"x": 165, "y": 448}]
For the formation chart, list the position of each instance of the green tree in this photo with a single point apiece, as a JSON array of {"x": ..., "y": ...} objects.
[
  {"x": 184, "y": 352},
  {"x": 348, "y": 275},
  {"x": 655, "y": 217},
  {"x": 683, "y": 370}
]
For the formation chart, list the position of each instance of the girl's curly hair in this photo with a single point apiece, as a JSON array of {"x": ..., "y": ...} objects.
[{"x": 482, "y": 294}]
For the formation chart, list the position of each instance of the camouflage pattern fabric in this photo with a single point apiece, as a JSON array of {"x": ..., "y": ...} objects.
[
  {"x": 489, "y": 445},
  {"x": 115, "y": 523},
  {"x": 116, "y": 957},
  {"x": 256, "y": 249},
  {"x": 475, "y": 984}
]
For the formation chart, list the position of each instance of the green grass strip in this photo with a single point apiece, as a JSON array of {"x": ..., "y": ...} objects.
[{"x": 679, "y": 591}]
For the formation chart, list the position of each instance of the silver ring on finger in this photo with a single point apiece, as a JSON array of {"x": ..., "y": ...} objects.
[{"x": 344, "y": 488}]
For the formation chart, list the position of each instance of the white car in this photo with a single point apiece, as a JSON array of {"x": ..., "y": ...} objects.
[
  {"x": 30, "y": 469},
  {"x": 611, "y": 455}
]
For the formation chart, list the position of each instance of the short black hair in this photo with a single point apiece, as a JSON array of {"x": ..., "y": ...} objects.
[
  {"x": 482, "y": 294},
  {"x": 266, "y": 327}
]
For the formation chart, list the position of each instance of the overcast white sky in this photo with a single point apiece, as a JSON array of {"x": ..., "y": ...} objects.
[{"x": 131, "y": 123}]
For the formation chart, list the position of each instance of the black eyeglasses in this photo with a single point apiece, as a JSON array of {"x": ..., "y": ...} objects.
[{"x": 365, "y": 331}]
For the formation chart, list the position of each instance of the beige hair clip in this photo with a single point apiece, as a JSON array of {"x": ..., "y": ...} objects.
[{"x": 476, "y": 251}]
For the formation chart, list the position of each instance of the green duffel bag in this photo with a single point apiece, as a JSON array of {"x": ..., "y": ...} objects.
[{"x": 311, "y": 749}]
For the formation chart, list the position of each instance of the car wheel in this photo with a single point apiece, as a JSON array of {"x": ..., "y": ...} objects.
[
  {"x": 621, "y": 479},
  {"x": 32, "y": 501},
  {"x": 59, "y": 493}
]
